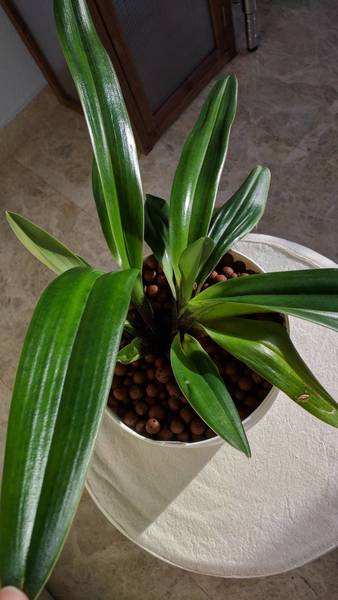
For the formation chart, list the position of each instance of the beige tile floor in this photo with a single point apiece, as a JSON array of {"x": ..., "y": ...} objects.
[{"x": 287, "y": 120}]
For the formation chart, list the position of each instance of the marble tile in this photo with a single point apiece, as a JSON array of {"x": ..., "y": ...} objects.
[
  {"x": 305, "y": 183},
  {"x": 271, "y": 108},
  {"x": 321, "y": 144},
  {"x": 316, "y": 581},
  {"x": 20, "y": 129},
  {"x": 287, "y": 27},
  {"x": 158, "y": 168},
  {"x": 314, "y": 232},
  {"x": 59, "y": 151}
]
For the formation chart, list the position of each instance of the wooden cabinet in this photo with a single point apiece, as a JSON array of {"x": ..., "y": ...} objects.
[{"x": 164, "y": 51}]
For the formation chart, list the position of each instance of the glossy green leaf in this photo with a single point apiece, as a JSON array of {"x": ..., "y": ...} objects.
[
  {"x": 156, "y": 224},
  {"x": 238, "y": 216},
  {"x": 52, "y": 253},
  {"x": 130, "y": 352},
  {"x": 61, "y": 389},
  {"x": 267, "y": 349},
  {"x": 200, "y": 382},
  {"x": 156, "y": 233},
  {"x": 199, "y": 170},
  {"x": 305, "y": 281},
  {"x": 312, "y": 308},
  {"x": 104, "y": 214},
  {"x": 189, "y": 265},
  {"x": 310, "y": 294},
  {"x": 120, "y": 197}
]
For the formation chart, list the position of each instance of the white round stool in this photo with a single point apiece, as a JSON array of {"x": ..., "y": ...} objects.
[{"x": 213, "y": 511}]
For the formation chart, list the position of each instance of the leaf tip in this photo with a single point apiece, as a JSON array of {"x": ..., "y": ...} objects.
[
  {"x": 244, "y": 445},
  {"x": 266, "y": 172},
  {"x": 247, "y": 451},
  {"x": 13, "y": 217}
]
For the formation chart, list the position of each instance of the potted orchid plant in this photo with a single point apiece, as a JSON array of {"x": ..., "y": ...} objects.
[{"x": 183, "y": 344}]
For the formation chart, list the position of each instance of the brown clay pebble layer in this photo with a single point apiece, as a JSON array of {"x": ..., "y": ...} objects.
[{"x": 145, "y": 395}]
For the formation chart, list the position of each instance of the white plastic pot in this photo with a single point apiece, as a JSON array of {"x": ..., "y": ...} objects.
[{"x": 248, "y": 423}]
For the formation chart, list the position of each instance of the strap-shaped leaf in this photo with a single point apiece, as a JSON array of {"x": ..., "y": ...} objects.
[
  {"x": 310, "y": 294},
  {"x": 238, "y": 216},
  {"x": 267, "y": 349},
  {"x": 199, "y": 170},
  {"x": 189, "y": 265},
  {"x": 52, "y": 253},
  {"x": 61, "y": 388},
  {"x": 120, "y": 204},
  {"x": 156, "y": 233},
  {"x": 300, "y": 282},
  {"x": 156, "y": 225},
  {"x": 138, "y": 292},
  {"x": 103, "y": 212},
  {"x": 199, "y": 380},
  {"x": 130, "y": 352},
  {"x": 312, "y": 308}
]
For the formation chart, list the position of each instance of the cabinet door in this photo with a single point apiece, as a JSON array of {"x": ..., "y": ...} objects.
[
  {"x": 167, "y": 51},
  {"x": 164, "y": 52}
]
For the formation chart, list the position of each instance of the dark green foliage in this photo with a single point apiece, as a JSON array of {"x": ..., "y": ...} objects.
[{"x": 69, "y": 355}]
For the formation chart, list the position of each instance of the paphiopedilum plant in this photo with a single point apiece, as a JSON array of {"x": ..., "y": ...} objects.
[{"x": 68, "y": 359}]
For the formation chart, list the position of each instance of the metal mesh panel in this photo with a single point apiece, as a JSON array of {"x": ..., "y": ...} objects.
[{"x": 168, "y": 39}]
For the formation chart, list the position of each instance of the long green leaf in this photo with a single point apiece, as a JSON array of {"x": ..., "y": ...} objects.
[
  {"x": 310, "y": 294},
  {"x": 120, "y": 201},
  {"x": 312, "y": 308},
  {"x": 156, "y": 225},
  {"x": 305, "y": 281},
  {"x": 102, "y": 208},
  {"x": 156, "y": 233},
  {"x": 199, "y": 170},
  {"x": 189, "y": 265},
  {"x": 130, "y": 352},
  {"x": 238, "y": 216},
  {"x": 61, "y": 388},
  {"x": 138, "y": 293},
  {"x": 52, "y": 253},
  {"x": 199, "y": 380},
  {"x": 267, "y": 349}
]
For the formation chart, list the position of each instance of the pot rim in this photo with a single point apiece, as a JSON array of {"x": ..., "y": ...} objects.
[{"x": 248, "y": 423}]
